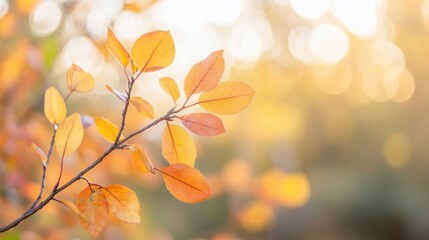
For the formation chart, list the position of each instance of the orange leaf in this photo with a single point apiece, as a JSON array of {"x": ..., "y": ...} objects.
[
  {"x": 116, "y": 48},
  {"x": 118, "y": 94},
  {"x": 40, "y": 152},
  {"x": 140, "y": 159},
  {"x": 178, "y": 146},
  {"x": 123, "y": 203},
  {"x": 227, "y": 98},
  {"x": 205, "y": 75},
  {"x": 203, "y": 124},
  {"x": 55, "y": 108},
  {"x": 73, "y": 208},
  {"x": 78, "y": 80},
  {"x": 69, "y": 135},
  {"x": 92, "y": 204},
  {"x": 153, "y": 51},
  {"x": 170, "y": 87},
  {"x": 107, "y": 129},
  {"x": 142, "y": 106},
  {"x": 185, "y": 183}
]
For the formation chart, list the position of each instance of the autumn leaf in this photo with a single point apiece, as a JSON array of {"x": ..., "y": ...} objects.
[
  {"x": 203, "y": 124},
  {"x": 205, "y": 75},
  {"x": 178, "y": 146},
  {"x": 78, "y": 80},
  {"x": 140, "y": 159},
  {"x": 55, "y": 108},
  {"x": 185, "y": 183},
  {"x": 107, "y": 129},
  {"x": 92, "y": 204},
  {"x": 69, "y": 135},
  {"x": 116, "y": 48},
  {"x": 170, "y": 87},
  {"x": 142, "y": 106},
  {"x": 153, "y": 51},
  {"x": 73, "y": 208},
  {"x": 123, "y": 203},
  {"x": 227, "y": 98},
  {"x": 118, "y": 94},
  {"x": 40, "y": 152}
]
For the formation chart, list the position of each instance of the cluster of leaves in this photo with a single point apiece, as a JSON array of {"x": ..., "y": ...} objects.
[{"x": 150, "y": 52}]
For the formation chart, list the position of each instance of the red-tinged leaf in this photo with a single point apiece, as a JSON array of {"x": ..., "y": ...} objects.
[
  {"x": 69, "y": 135},
  {"x": 54, "y": 107},
  {"x": 78, "y": 80},
  {"x": 185, "y": 183},
  {"x": 205, "y": 75},
  {"x": 178, "y": 146},
  {"x": 116, "y": 48},
  {"x": 170, "y": 87},
  {"x": 153, "y": 51},
  {"x": 140, "y": 159},
  {"x": 142, "y": 106},
  {"x": 203, "y": 124},
  {"x": 40, "y": 152},
  {"x": 118, "y": 94},
  {"x": 92, "y": 204},
  {"x": 123, "y": 203},
  {"x": 227, "y": 98}
]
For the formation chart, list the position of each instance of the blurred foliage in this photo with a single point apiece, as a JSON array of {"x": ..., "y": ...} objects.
[{"x": 333, "y": 146}]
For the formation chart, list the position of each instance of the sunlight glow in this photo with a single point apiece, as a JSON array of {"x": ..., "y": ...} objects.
[
  {"x": 299, "y": 45},
  {"x": 329, "y": 43},
  {"x": 4, "y": 7},
  {"x": 310, "y": 9},
  {"x": 245, "y": 43},
  {"x": 45, "y": 18}
]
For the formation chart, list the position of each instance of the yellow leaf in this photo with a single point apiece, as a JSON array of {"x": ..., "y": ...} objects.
[
  {"x": 116, "y": 48},
  {"x": 78, "y": 80},
  {"x": 227, "y": 98},
  {"x": 74, "y": 209},
  {"x": 185, "y": 183},
  {"x": 153, "y": 51},
  {"x": 92, "y": 204},
  {"x": 205, "y": 75},
  {"x": 123, "y": 203},
  {"x": 134, "y": 67},
  {"x": 107, "y": 129},
  {"x": 142, "y": 106},
  {"x": 140, "y": 159},
  {"x": 170, "y": 87},
  {"x": 39, "y": 152},
  {"x": 55, "y": 108},
  {"x": 178, "y": 146},
  {"x": 69, "y": 135}
]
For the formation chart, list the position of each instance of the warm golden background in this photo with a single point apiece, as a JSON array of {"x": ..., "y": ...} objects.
[{"x": 334, "y": 145}]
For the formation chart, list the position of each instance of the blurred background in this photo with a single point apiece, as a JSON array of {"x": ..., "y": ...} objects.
[{"x": 334, "y": 145}]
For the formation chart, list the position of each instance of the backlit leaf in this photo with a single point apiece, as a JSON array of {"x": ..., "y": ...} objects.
[
  {"x": 118, "y": 94},
  {"x": 185, "y": 183},
  {"x": 73, "y": 208},
  {"x": 140, "y": 159},
  {"x": 69, "y": 135},
  {"x": 203, "y": 124},
  {"x": 39, "y": 152},
  {"x": 78, "y": 80},
  {"x": 170, "y": 87},
  {"x": 153, "y": 51},
  {"x": 142, "y": 106},
  {"x": 178, "y": 146},
  {"x": 227, "y": 98},
  {"x": 55, "y": 108},
  {"x": 123, "y": 203},
  {"x": 92, "y": 204},
  {"x": 116, "y": 48},
  {"x": 107, "y": 129},
  {"x": 205, "y": 75}
]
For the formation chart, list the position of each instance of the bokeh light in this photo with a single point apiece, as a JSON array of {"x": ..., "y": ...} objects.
[
  {"x": 397, "y": 150},
  {"x": 329, "y": 43},
  {"x": 45, "y": 18},
  {"x": 4, "y": 7},
  {"x": 310, "y": 9}
]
